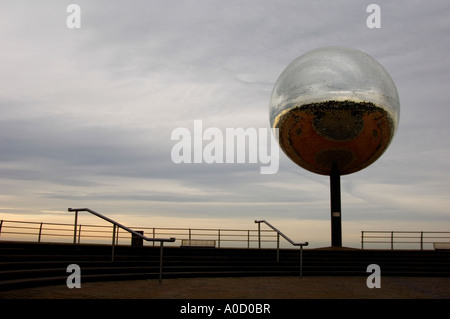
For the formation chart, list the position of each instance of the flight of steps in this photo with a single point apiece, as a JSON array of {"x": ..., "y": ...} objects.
[{"x": 33, "y": 264}]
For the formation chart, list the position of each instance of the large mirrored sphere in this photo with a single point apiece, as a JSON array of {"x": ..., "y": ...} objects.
[{"x": 334, "y": 106}]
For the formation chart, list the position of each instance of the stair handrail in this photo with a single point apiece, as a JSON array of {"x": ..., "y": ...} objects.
[
  {"x": 76, "y": 210},
  {"x": 116, "y": 224},
  {"x": 279, "y": 233}
]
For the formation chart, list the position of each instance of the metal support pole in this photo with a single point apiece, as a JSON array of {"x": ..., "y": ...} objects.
[
  {"x": 335, "y": 197},
  {"x": 362, "y": 240},
  {"x": 301, "y": 261},
  {"x": 75, "y": 228},
  {"x": 218, "y": 238},
  {"x": 421, "y": 240},
  {"x": 79, "y": 234},
  {"x": 259, "y": 235},
  {"x": 153, "y": 236},
  {"x": 160, "y": 261},
  {"x": 113, "y": 242},
  {"x": 40, "y": 232},
  {"x": 278, "y": 247},
  {"x": 392, "y": 240}
]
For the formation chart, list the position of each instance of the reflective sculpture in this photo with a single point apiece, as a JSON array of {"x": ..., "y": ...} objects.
[{"x": 337, "y": 110}]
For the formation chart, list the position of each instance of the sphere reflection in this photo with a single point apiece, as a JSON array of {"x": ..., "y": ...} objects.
[{"x": 334, "y": 106}]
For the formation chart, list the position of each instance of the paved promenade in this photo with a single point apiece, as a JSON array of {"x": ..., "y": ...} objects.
[{"x": 247, "y": 288}]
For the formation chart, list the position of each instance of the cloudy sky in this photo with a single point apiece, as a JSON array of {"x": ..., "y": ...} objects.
[{"x": 86, "y": 115}]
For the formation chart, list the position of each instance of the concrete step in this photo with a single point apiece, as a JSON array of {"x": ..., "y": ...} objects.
[{"x": 32, "y": 264}]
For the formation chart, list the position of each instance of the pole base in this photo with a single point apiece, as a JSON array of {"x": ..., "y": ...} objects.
[{"x": 335, "y": 198}]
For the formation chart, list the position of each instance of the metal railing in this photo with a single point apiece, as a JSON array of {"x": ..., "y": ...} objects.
[
  {"x": 102, "y": 234},
  {"x": 279, "y": 233},
  {"x": 407, "y": 238},
  {"x": 15, "y": 228},
  {"x": 117, "y": 225}
]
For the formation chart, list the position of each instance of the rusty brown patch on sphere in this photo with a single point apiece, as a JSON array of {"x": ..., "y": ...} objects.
[{"x": 351, "y": 134}]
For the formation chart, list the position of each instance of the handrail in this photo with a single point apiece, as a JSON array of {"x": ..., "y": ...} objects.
[
  {"x": 116, "y": 224},
  {"x": 171, "y": 239},
  {"x": 279, "y": 233}
]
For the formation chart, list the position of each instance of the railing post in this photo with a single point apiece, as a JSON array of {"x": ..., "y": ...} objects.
[
  {"x": 113, "y": 242},
  {"x": 161, "y": 244},
  {"x": 153, "y": 236},
  {"x": 421, "y": 240},
  {"x": 75, "y": 228},
  {"x": 278, "y": 247},
  {"x": 301, "y": 261},
  {"x": 259, "y": 235},
  {"x": 79, "y": 234},
  {"x": 362, "y": 240},
  {"x": 218, "y": 238},
  {"x": 392, "y": 240},
  {"x": 1, "y": 224},
  {"x": 40, "y": 232},
  {"x": 248, "y": 238}
]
